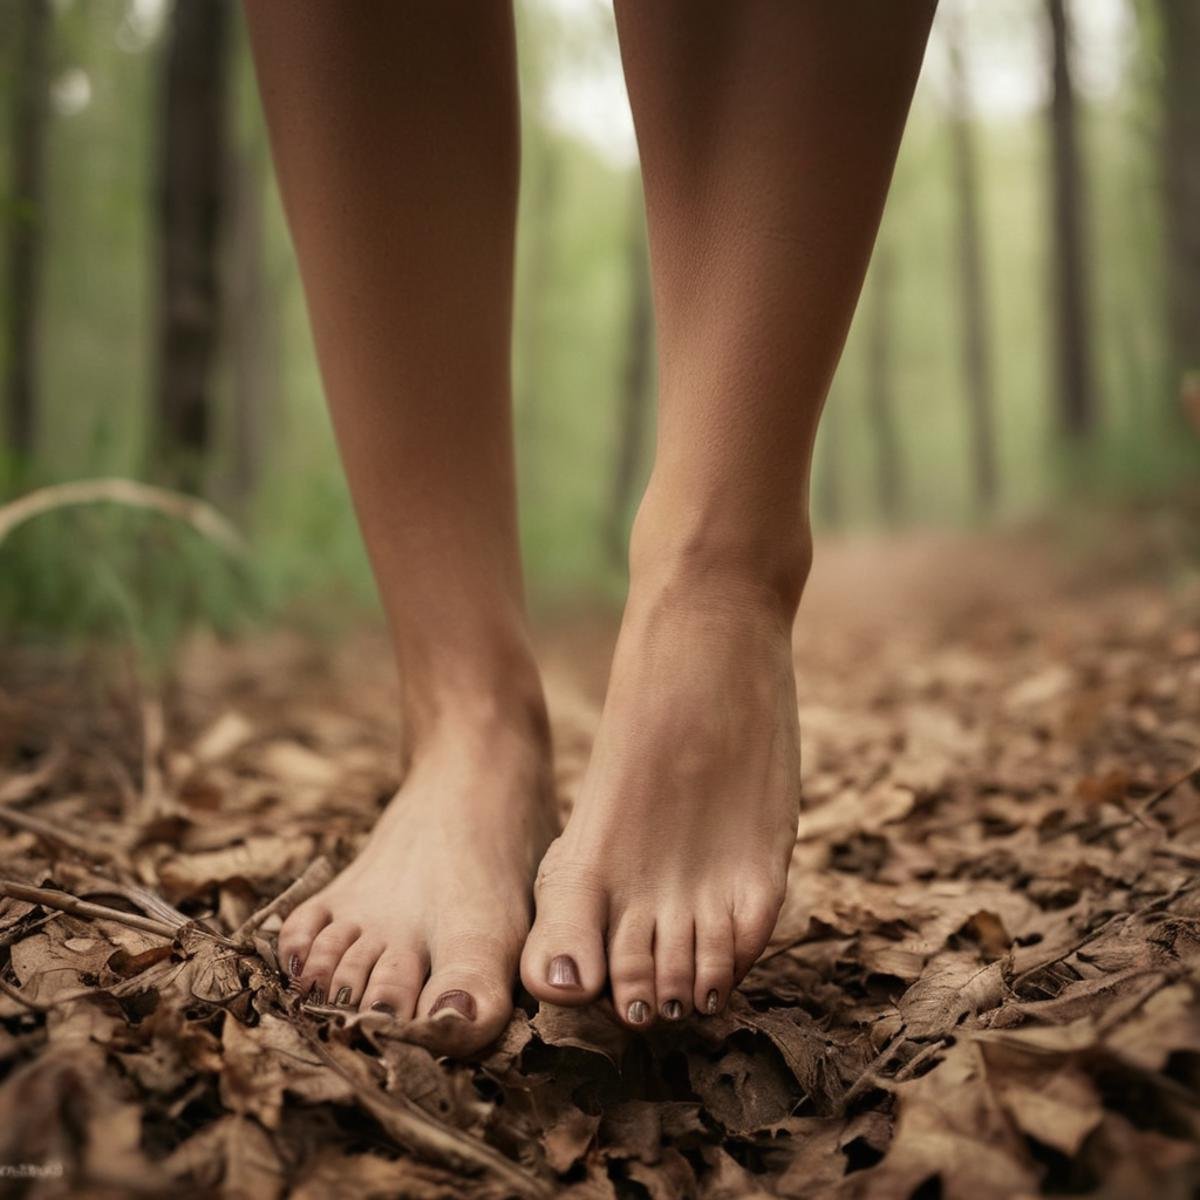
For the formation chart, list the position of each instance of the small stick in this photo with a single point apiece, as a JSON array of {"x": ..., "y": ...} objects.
[
  {"x": 44, "y": 829},
  {"x": 65, "y": 902},
  {"x": 15, "y": 994},
  {"x": 21, "y": 787},
  {"x": 202, "y": 517},
  {"x": 316, "y": 875}
]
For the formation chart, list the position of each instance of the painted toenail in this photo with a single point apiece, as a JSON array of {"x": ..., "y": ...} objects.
[
  {"x": 638, "y": 1012},
  {"x": 294, "y": 966},
  {"x": 384, "y": 1007},
  {"x": 317, "y": 996},
  {"x": 713, "y": 1002},
  {"x": 462, "y": 1003},
  {"x": 672, "y": 1010},
  {"x": 343, "y": 996},
  {"x": 564, "y": 972}
]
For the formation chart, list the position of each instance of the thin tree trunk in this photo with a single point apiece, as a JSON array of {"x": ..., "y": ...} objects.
[
  {"x": 977, "y": 358},
  {"x": 631, "y": 427},
  {"x": 1076, "y": 387},
  {"x": 250, "y": 329},
  {"x": 191, "y": 195},
  {"x": 543, "y": 201},
  {"x": 881, "y": 400},
  {"x": 1181, "y": 181},
  {"x": 29, "y": 118}
]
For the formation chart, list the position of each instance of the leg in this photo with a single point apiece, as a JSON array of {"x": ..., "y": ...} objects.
[
  {"x": 768, "y": 130},
  {"x": 394, "y": 130}
]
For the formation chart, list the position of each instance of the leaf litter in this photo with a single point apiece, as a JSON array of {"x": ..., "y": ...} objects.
[{"x": 985, "y": 981}]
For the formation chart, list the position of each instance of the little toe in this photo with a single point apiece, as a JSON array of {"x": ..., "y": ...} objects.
[
  {"x": 469, "y": 993},
  {"x": 349, "y": 980},
  {"x": 395, "y": 983},
  {"x": 323, "y": 958},
  {"x": 674, "y": 965},
  {"x": 631, "y": 969},
  {"x": 753, "y": 923},
  {"x": 714, "y": 962},
  {"x": 296, "y": 936},
  {"x": 563, "y": 958}
]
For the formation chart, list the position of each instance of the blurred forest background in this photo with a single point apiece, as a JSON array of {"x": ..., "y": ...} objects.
[{"x": 1027, "y": 344}]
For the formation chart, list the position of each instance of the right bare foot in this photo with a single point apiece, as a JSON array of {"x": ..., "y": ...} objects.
[
  {"x": 430, "y": 918},
  {"x": 670, "y": 873}
]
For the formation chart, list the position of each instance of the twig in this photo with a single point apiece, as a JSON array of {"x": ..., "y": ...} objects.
[
  {"x": 21, "y": 787},
  {"x": 65, "y": 902},
  {"x": 201, "y": 516},
  {"x": 316, "y": 875},
  {"x": 419, "y": 1132},
  {"x": 15, "y": 994},
  {"x": 44, "y": 829},
  {"x": 152, "y": 904}
]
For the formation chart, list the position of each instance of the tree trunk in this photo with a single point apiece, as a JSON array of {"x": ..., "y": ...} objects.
[
  {"x": 1181, "y": 180},
  {"x": 631, "y": 428},
  {"x": 28, "y": 209},
  {"x": 881, "y": 402},
  {"x": 1076, "y": 387},
  {"x": 191, "y": 166},
  {"x": 977, "y": 358}
]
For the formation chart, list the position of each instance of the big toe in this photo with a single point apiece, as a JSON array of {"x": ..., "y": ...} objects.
[
  {"x": 469, "y": 994},
  {"x": 563, "y": 959}
]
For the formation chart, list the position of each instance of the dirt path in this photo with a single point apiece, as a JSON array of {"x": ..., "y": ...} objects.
[{"x": 985, "y": 983}]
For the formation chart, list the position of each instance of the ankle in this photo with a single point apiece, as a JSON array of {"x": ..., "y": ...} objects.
[
  {"x": 488, "y": 695},
  {"x": 698, "y": 555}
]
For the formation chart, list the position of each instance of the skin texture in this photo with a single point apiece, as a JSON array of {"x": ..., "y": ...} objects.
[
  {"x": 395, "y": 137},
  {"x": 768, "y": 131}
]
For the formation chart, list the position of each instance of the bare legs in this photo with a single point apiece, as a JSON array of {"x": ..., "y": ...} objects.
[
  {"x": 768, "y": 131},
  {"x": 394, "y": 130}
]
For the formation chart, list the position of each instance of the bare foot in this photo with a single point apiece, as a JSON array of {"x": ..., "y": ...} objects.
[
  {"x": 670, "y": 873},
  {"x": 431, "y": 916}
]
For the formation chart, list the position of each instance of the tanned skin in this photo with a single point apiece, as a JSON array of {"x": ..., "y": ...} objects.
[{"x": 767, "y": 130}]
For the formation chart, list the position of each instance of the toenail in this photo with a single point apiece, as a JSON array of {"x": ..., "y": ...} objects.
[
  {"x": 294, "y": 966},
  {"x": 713, "y": 1002},
  {"x": 384, "y": 1007},
  {"x": 672, "y": 1010},
  {"x": 343, "y": 996},
  {"x": 638, "y": 1011},
  {"x": 317, "y": 996},
  {"x": 564, "y": 972},
  {"x": 460, "y": 1002}
]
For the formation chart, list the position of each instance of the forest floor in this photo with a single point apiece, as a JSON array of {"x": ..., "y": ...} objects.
[{"x": 985, "y": 981}]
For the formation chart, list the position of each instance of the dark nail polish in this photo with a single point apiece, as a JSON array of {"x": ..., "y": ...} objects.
[
  {"x": 343, "y": 996},
  {"x": 384, "y": 1007},
  {"x": 294, "y": 966},
  {"x": 713, "y": 1002},
  {"x": 462, "y": 1003},
  {"x": 317, "y": 996},
  {"x": 564, "y": 973},
  {"x": 672, "y": 1010},
  {"x": 638, "y": 1012}
]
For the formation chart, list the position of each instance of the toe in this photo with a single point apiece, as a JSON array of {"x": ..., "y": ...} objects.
[
  {"x": 395, "y": 982},
  {"x": 714, "y": 961},
  {"x": 469, "y": 992},
  {"x": 296, "y": 936},
  {"x": 323, "y": 958},
  {"x": 753, "y": 923},
  {"x": 349, "y": 980},
  {"x": 563, "y": 958},
  {"x": 674, "y": 965},
  {"x": 631, "y": 969}
]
